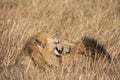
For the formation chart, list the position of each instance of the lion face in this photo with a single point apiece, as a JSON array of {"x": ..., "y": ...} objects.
[
  {"x": 64, "y": 47},
  {"x": 44, "y": 39}
]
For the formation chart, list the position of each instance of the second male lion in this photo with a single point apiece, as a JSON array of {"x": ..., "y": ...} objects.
[
  {"x": 69, "y": 50},
  {"x": 87, "y": 47}
]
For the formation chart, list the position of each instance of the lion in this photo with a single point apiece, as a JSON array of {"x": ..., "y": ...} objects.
[
  {"x": 47, "y": 52},
  {"x": 88, "y": 47},
  {"x": 41, "y": 48},
  {"x": 69, "y": 50}
]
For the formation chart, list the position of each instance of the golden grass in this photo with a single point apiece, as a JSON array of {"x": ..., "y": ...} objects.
[{"x": 65, "y": 19}]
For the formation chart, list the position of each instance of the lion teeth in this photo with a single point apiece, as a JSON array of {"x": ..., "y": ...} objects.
[{"x": 56, "y": 52}]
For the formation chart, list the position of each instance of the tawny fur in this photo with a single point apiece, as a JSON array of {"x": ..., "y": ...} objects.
[
  {"x": 70, "y": 51},
  {"x": 40, "y": 49},
  {"x": 87, "y": 47}
]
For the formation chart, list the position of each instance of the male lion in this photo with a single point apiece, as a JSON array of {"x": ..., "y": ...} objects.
[
  {"x": 69, "y": 50},
  {"x": 87, "y": 47},
  {"x": 42, "y": 50}
]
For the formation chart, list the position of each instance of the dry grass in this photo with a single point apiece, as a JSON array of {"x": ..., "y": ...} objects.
[{"x": 66, "y": 19}]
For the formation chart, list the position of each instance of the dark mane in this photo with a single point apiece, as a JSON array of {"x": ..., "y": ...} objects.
[{"x": 94, "y": 47}]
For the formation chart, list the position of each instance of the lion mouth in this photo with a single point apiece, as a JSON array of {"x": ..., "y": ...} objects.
[
  {"x": 57, "y": 51},
  {"x": 61, "y": 51}
]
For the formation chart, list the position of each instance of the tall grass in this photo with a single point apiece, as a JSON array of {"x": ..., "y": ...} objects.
[{"x": 65, "y": 19}]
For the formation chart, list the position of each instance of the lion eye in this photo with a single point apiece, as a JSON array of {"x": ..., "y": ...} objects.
[{"x": 40, "y": 43}]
